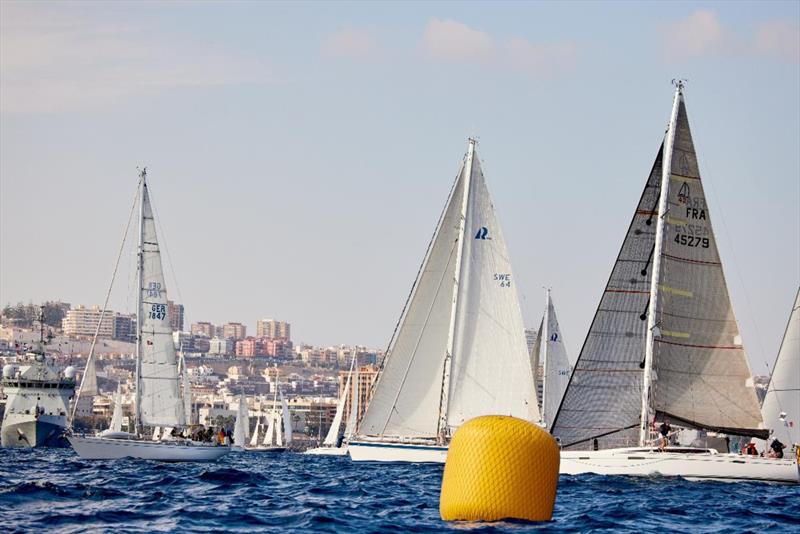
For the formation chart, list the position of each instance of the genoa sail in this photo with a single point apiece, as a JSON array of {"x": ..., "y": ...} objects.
[
  {"x": 701, "y": 376},
  {"x": 287, "y": 420},
  {"x": 332, "y": 437},
  {"x": 352, "y": 419},
  {"x": 160, "y": 393},
  {"x": 603, "y": 396},
  {"x": 781, "y": 407},
  {"x": 460, "y": 348},
  {"x": 241, "y": 428}
]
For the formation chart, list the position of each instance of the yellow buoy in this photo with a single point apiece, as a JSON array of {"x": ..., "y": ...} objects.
[{"x": 500, "y": 467}]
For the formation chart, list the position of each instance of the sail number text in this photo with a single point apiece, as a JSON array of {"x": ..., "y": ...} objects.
[
  {"x": 504, "y": 279},
  {"x": 691, "y": 241},
  {"x": 158, "y": 311}
]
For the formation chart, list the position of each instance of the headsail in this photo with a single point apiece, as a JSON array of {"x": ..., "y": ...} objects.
[
  {"x": 254, "y": 437},
  {"x": 332, "y": 436},
  {"x": 781, "y": 408},
  {"x": 116, "y": 416},
  {"x": 602, "y": 399},
  {"x": 701, "y": 376},
  {"x": 160, "y": 394},
  {"x": 352, "y": 419},
  {"x": 406, "y": 397},
  {"x": 556, "y": 367},
  {"x": 287, "y": 420}
]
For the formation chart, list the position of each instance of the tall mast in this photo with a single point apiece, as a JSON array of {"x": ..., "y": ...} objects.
[
  {"x": 445, "y": 394},
  {"x": 140, "y": 272},
  {"x": 544, "y": 338},
  {"x": 663, "y": 204}
]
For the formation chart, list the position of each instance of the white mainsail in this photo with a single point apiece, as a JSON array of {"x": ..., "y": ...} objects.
[
  {"x": 556, "y": 364},
  {"x": 270, "y": 429},
  {"x": 116, "y": 416},
  {"x": 781, "y": 407},
  {"x": 691, "y": 368},
  {"x": 287, "y": 420},
  {"x": 254, "y": 437},
  {"x": 352, "y": 419},
  {"x": 460, "y": 349},
  {"x": 332, "y": 437},
  {"x": 241, "y": 428},
  {"x": 159, "y": 394}
]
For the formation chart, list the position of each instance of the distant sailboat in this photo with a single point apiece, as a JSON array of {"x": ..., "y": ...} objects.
[
  {"x": 335, "y": 444},
  {"x": 781, "y": 407},
  {"x": 115, "y": 428},
  {"x": 459, "y": 350},
  {"x": 241, "y": 429},
  {"x": 157, "y": 382},
  {"x": 549, "y": 349},
  {"x": 664, "y": 344},
  {"x": 279, "y": 426}
]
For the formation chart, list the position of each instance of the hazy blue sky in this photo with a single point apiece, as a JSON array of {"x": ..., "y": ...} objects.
[{"x": 299, "y": 154}]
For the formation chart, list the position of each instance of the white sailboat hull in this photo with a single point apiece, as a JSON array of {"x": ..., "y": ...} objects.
[
  {"x": 691, "y": 464},
  {"x": 382, "y": 451},
  {"x": 97, "y": 448},
  {"x": 327, "y": 451}
]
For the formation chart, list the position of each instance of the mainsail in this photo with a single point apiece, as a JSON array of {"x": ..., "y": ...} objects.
[
  {"x": 159, "y": 395},
  {"x": 692, "y": 367},
  {"x": 556, "y": 364},
  {"x": 241, "y": 428},
  {"x": 781, "y": 408},
  {"x": 460, "y": 349},
  {"x": 701, "y": 377}
]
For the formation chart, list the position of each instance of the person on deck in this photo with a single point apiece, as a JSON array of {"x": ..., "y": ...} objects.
[
  {"x": 776, "y": 449},
  {"x": 664, "y": 430}
]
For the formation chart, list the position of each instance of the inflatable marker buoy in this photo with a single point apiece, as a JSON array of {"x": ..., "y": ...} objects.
[{"x": 500, "y": 467}]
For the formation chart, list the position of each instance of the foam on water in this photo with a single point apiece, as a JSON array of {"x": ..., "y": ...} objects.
[{"x": 53, "y": 488}]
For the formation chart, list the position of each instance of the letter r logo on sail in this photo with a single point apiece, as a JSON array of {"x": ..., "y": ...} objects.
[{"x": 482, "y": 233}]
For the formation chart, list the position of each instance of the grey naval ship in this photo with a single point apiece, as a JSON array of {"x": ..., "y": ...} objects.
[{"x": 37, "y": 397}]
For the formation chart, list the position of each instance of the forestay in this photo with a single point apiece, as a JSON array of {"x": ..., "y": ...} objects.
[
  {"x": 603, "y": 397},
  {"x": 701, "y": 377},
  {"x": 781, "y": 408},
  {"x": 159, "y": 396}
]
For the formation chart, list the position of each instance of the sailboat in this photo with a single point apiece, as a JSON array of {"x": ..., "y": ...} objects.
[
  {"x": 157, "y": 383},
  {"x": 550, "y": 350},
  {"x": 781, "y": 406},
  {"x": 664, "y": 345},
  {"x": 114, "y": 430},
  {"x": 241, "y": 429},
  {"x": 335, "y": 443},
  {"x": 459, "y": 350},
  {"x": 279, "y": 427}
]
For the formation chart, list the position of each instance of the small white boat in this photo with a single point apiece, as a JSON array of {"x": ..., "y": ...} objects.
[
  {"x": 690, "y": 463},
  {"x": 459, "y": 350},
  {"x": 157, "y": 380},
  {"x": 335, "y": 444},
  {"x": 664, "y": 344}
]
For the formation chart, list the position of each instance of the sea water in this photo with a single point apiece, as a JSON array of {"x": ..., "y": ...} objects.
[{"x": 245, "y": 492}]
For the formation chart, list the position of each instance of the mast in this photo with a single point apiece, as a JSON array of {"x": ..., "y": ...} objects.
[
  {"x": 444, "y": 399},
  {"x": 140, "y": 272},
  {"x": 544, "y": 339},
  {"x": 666, "y": 171}
]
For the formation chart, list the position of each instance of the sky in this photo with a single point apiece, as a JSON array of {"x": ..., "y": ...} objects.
[{"x": 299, "y": 154}]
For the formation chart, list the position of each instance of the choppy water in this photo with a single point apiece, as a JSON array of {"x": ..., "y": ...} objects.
[{"x": 54, "y": 489}]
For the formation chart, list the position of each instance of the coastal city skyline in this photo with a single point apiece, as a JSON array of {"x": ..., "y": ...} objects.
[{"x": 329, "y": 230}]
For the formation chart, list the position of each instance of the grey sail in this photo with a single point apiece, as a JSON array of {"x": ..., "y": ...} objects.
[
  {"x": 161, "y": 403},
  {"x": 781, "y": 407},
  {"x": 536, "y": 355},
  {"x": 406, "y": 397},
  {"x": 603, "y": 397},
  {"x": 701, "y": 377}
]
